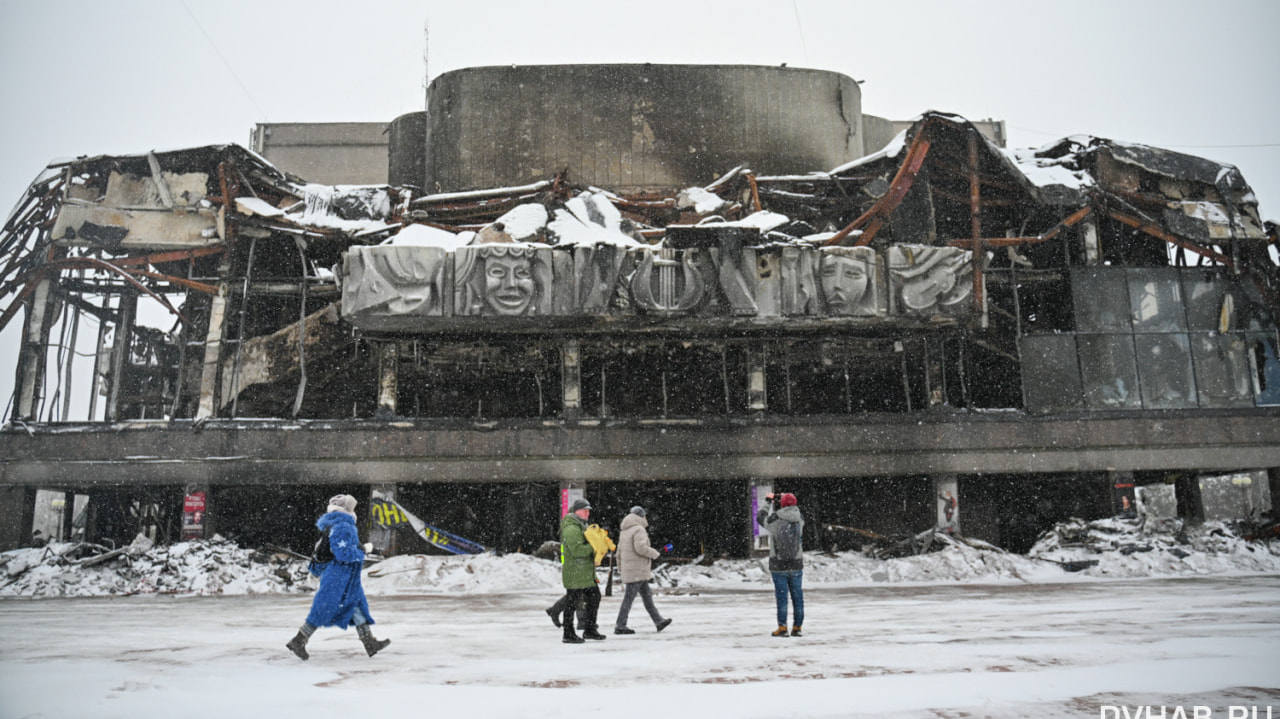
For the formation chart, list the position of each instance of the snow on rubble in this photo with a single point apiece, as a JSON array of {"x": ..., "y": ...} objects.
[{"x": 1075, "y": 550}]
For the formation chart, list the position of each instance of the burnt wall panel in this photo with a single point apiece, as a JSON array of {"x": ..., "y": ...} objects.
[
  {"x": 635, "y": 126},
  {"x": 1221, "y": 370},
  {"x": 1051, "y": 373},
  {"x": 1164, "y": 369},
  {"x": 1109, "y": 371},
  {"x": 1155, "y": 300},
  {"x": 1101, "y": 299}
]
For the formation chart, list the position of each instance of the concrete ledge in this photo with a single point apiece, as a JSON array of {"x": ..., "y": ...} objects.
[{"x": 277, "y": 452}]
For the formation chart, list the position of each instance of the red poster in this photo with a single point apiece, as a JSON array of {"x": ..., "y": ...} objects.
[{"x": 193, "y": 516}]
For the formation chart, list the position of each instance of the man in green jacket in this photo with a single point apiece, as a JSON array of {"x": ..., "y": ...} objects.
[{"x": 578, "y": 573}]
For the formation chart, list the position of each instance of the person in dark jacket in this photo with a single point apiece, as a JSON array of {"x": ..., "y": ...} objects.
[
  {"x": 635, "y": 561},
  {"x": 340, "y": 600},
  {"x": 786, "y": 559},
  {"x": 578, "y": 574}
]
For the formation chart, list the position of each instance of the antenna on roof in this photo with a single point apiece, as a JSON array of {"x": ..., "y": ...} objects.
[{"x": 426, "y": 45}]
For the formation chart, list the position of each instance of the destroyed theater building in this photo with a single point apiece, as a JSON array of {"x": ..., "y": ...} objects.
[{"x": 675, "y": 286}]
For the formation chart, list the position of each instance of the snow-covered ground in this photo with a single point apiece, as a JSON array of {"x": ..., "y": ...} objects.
[{"x": 1166, "y": 616}]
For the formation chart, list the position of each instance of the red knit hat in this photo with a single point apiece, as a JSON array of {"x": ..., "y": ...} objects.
[{"x": 787, "y": 500}]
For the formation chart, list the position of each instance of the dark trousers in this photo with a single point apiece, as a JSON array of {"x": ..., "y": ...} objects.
[
  {"x": 629, "y": 596},
  {"x": 587, "y": 603}
]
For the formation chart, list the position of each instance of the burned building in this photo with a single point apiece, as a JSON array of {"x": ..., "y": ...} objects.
[{"x": 703, "y": 290}]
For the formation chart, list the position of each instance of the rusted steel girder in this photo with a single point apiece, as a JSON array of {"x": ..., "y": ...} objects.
[
  {"x": 1071, "y": 220},
  {"x": 975, "y": 220},
  {"x": 159, "y": 258},
  {"x": 1155, "y": 231},
  {"x": 874, "y": 218},
  {"x": 31, "y": 278}
]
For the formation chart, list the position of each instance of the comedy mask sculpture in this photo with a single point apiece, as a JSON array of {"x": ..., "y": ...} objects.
[{"x": 502, "y": 281}]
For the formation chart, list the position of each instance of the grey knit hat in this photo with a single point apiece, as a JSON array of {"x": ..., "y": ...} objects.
[
  {"x": 638, "y": 510},
  {"x": 580, "y": 503}
]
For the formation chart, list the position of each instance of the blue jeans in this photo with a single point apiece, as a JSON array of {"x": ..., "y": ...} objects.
[{"x": 785, "y": 583}]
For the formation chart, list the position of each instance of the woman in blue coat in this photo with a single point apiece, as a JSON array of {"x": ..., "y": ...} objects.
[{"x": 340, "y": 600}]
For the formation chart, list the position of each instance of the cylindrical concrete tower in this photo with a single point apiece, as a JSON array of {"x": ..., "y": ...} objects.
[{"x": 635, "y": 127}]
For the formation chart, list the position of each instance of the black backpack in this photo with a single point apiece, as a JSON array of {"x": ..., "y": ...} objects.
[
  {"x": 787, "y": 540},
  {"x": 321, "y": 555}
]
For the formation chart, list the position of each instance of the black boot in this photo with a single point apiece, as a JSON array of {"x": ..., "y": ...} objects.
[
  {"x": 591, "y": 632},
  {"x": 371, "y": 645},
  {"x": 571, "y": 638},
  {"x": 555, "y": 616},
  {"x": 298, "y": 645}
]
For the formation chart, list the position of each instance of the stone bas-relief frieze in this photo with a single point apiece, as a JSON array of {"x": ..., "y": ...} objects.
[
  {"x": 928, "y": 280},
  {"x": 408, "y": 288},
  {"x": 394, "y": 281}
]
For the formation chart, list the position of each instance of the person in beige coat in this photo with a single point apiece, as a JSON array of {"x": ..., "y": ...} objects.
[{"x": 635, "y": 560}]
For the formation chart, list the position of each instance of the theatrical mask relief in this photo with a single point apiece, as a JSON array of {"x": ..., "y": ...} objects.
[{"x": 386, "y": 287}]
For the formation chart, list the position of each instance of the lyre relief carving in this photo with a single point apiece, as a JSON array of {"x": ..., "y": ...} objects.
[{"x": 668, "y": 280}]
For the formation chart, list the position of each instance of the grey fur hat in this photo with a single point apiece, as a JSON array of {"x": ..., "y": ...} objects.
[
  {"x": 343, "y": 502},
  {"x": 638, "y": 510}
]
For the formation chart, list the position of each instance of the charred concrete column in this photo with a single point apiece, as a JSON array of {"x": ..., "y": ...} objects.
[
  {"x": 757, "y": 391},
  {"x": 934, "y": 372},
  {"x": 1092, "y": 246},
  {"x": 571, "y": 378},
  {"x": 569, "y": 491},
  {"x": 17, "y": 513},
  {"x": 31, "y": 364},
  {"x": 120, "y": 352},
  {"x": 946, "y": 492},
  {"x": 383, "y": 518},
  {"x": 1123, "y": 501},
  {"x": 388, "y": 380},
  {"x": 758, "y": 539},
  {"x": 213, "y": 347},
  {"x": 195, "y": 511},
  {"x": 1273, "y": 479}
]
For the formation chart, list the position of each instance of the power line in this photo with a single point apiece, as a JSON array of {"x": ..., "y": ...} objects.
[
  {"x": 795, "y": 5},
  {"x": 1246, "y": 146},
  {"x": 225, "y": 63}
]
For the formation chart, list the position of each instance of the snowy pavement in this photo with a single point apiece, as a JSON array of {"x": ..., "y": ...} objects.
[{"x": 1002, "y": 650}]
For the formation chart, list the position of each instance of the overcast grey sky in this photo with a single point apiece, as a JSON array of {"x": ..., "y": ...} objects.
[{"x": 88, "y": 77}]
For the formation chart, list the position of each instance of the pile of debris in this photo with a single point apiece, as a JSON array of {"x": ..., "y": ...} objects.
[
  {"x": 1105, "y": 548},
  {"x": 880, "y": 546},
  {"x": 212, "y": 566},
  {"x": 1144, "y": 546}
]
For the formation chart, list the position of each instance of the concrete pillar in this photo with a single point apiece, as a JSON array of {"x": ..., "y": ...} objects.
[
  {"x": 120, "y": 352},
  {"x": 195, "y": 511},
  {"x": 388, "y": 380},
  {"x": 17, "y": 513},
  {"x": 1123, "y": 501},
  {"x": 758, "y": 538},
  {"x": 1273, "y": 479},
  {"x": 935, "y": 384},
  {"x": 569, "y": 491},
  {"x": 946, "y": 492},
  {"x": 213, "y": 354},
  {"x": 1092, "y": 245},
  {"x": 382, "y": 520},
  {"x": 757, "y": 391},
  {"x": 31, "y": 359},
  {"x": 571, "y": 378}
]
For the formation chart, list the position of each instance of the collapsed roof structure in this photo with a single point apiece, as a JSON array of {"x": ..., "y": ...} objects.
[{"x": 940, "y": 308}]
